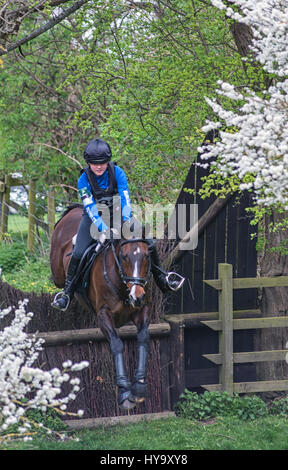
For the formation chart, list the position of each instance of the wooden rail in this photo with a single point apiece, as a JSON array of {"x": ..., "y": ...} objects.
[
  {"x": 116, "y": 420},
  {"x": 250, "y": 282},
  {"x": 58, "y": 338},
  {"x": 226, "y": 323}
]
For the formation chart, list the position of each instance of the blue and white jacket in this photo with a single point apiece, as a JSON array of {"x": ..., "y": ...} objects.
[{"x": 89, "y": 203}]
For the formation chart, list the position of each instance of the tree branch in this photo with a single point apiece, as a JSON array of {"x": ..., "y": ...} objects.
[
  {"x": 61, "y": 151},
  {"x": 50, "y": 24}
]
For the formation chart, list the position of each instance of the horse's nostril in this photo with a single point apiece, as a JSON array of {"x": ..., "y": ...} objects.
[
  {"x": 136, "y": 301},
  {"x": 141, "y": 298}
]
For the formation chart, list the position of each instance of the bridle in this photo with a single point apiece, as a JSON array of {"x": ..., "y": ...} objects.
[
  {"x": 134, "y": 280},
  {"x": 141, "y": 281}
]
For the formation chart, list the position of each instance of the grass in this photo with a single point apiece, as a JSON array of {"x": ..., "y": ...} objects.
[
  {"x": 227, "y": 433},
  {"x": 17, "y": 223},
  {"x": 33, "y": 276}
]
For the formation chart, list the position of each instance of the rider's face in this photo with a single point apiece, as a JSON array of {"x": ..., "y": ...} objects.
[{"x": 98, "y": 168}]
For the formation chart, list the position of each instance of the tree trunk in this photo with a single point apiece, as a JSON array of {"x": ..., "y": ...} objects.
[
  {"x": 242, "y": 35},
  {"x": 274, "y": 302}
]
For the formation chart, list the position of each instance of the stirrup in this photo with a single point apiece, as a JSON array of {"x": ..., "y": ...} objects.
[
  {"x": 180, "y": 281},
  {"x": 61, "y": 294}
]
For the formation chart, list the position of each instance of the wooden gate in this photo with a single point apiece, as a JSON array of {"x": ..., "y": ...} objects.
[{"x": 225, "y": 324}]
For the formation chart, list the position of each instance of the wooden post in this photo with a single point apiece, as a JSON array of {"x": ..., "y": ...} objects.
[
  {"x": 5, "y": 206},
  {"x": 226, "y": 332},
  {"x": 31, "y": 215},
  {"x": 165, "y": 365},
  {"x": 2, "y": 189},
  {"x": 51, "y": 211},
  {"x": 177, "y": 370}
]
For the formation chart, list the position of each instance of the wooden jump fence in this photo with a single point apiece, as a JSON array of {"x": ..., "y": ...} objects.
[
  {"x": 226, "y": 323},
  {"x": 168, "y": 349},
  {"x": 171, "y": 335}
]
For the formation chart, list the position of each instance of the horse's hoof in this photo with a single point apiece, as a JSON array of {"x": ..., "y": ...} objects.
[
  {"x": 126, "y": 400},
  {"x": 127, "y": 405},
  {"x": 139, "y": 400},
  {"x": 139, "y": 390}
]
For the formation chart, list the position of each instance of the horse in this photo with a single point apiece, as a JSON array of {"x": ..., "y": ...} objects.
[{"x": 116, "y": 292}]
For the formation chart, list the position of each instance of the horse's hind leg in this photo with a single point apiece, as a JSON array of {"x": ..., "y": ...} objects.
[
  {"x": 139, "y": 386},
  {"x": 126, "y": 399}
]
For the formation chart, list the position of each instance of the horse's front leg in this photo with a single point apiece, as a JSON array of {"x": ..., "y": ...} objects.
[
  {"x": 126, "y": 399},
  {"x": 139, "y": 385}
]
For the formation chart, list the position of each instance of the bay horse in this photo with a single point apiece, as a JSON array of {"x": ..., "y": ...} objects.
[{"x": 116, "y": 292}]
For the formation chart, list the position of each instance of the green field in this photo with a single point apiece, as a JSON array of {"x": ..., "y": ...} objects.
[{"x": 17, "y": 223}]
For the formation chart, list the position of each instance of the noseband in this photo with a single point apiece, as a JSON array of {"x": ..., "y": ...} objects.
[{"x": 135, "y": 280}]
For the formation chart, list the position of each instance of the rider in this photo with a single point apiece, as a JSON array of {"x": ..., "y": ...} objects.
[{"x": 99, "y": 182}]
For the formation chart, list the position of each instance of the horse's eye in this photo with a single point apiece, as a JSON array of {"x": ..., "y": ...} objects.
[{"x": 125, "y": 257}]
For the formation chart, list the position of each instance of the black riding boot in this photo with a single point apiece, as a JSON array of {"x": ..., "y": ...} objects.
[
  {"x": 63, "y": 299},
  {"x": 165, "y": 281}
]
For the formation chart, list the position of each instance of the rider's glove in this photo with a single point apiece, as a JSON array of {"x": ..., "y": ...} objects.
[
  {"x": 114, "y": 233},
  {"x": 108, "y": 234}
]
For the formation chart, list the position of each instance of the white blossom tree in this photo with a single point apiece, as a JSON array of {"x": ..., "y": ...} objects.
[
  {"x": 254, "y": 145},
  {"x": 24, "y": 387}
]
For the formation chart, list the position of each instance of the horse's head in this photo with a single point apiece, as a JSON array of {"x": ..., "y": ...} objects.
[{"x": 135, "y": 268}]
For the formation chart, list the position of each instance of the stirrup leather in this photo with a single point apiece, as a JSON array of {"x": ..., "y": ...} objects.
[
  {"x": 179, "y": 279},
  {"x": 61, "y": 294}
]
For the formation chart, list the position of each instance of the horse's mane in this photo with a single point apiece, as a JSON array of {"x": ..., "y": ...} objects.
[{"x": 68, "y": 209}]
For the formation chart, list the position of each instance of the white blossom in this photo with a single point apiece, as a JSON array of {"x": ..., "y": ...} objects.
[
  {"x": 257, "y": 145},
  {"x": 80, "y": 366},
  {"x": 22, "y": 385}
]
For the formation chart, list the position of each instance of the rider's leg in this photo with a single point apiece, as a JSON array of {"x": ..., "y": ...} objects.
[
  {"x": 165, "y": 281},
  {"x": 62, "y": 299},
  {"x": 83, "y": 240}
]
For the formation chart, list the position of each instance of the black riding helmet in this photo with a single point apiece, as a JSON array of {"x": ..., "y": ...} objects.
[{"x": 97, "y": 151}]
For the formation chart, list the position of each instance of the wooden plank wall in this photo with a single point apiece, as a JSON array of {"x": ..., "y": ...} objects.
[{"x": 226, "y": 240}]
